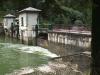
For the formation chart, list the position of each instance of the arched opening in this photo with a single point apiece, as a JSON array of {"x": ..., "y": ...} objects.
[{"x": 43, "y": 36}]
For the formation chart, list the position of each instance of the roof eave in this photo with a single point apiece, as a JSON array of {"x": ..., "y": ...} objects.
[
  {"x": 25, "y": 11},
  {"x": 9, "y": 17}
]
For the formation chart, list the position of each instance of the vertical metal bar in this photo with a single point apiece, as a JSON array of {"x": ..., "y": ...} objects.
[
  {"x": 12, "y": 30},
  {"x": 50, "y": 27},
  {"x": 22, "y": 40},
  {"x": 36, "y": 37},
  {"x": 17, "y": 31}
]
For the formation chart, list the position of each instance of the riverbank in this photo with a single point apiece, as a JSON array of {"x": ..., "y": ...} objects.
[
  {"x": 56, "y": 67},
  {"x": 34, "y": 60},
  {"x": 50, "y": 69}
]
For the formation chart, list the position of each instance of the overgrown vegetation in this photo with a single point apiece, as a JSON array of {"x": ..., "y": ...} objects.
[{"x": 53, "y": 11}]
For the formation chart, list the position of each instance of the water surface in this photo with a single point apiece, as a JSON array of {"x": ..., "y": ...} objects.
[{"x": 14, "y": 55}]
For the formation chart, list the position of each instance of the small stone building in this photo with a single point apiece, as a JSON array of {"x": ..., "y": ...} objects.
[
  {"x": 28, "y": 18},
  {"x": 8, "y": 20}
]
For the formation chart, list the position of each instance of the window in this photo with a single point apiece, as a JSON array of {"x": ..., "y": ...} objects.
[{"x": 22, "y": 21}]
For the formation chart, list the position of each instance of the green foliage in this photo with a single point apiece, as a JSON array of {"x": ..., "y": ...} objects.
[
  {"x": 78, "y": 22},
  {"x": 54, "y": 11}
]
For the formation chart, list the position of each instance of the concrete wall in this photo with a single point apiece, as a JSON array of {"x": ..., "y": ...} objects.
[
  {"x": 29, "y": 21},
  {"x": 24, "y": 21},
  {"x": 81, "y": 40},
  {"x": 68, "y": 43}
]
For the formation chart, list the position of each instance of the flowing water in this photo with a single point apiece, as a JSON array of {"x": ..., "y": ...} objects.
[{"x": 14, "y": 55}]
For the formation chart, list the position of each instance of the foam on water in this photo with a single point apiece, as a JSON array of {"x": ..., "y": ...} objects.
[
  {"x": 30, "y": 49},
  {"x": 10, "y": 45}
]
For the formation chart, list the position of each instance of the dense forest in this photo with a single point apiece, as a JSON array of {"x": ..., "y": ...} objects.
[{"x": 53, "y": 11}]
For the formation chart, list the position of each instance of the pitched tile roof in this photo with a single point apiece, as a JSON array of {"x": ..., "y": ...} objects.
[
  {"x": 9, "y": 16},
  {"x": 31, "y": 9}
]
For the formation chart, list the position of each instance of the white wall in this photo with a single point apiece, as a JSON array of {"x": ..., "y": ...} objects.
[
  {"x": 31, "y": 22},
  {"x": 24, "y": 21},
  {"x": 67, "y": 39},
  {"x": 29, "y": 19},
  {"x": 7, "y": 22},
  {"x": 32, "y": 19}
]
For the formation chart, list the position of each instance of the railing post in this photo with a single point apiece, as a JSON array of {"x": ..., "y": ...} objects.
[
  {"x": 36, "y": 36},
  {"x": 17, "y": 31},
  {"x": 12, "y": 27},
  {"x": 50, "y": 27}
]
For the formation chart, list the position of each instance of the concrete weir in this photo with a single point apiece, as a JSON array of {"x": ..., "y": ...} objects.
[
  {"x": 63, "y": 43},
  {"x": 81, "y": 40}
]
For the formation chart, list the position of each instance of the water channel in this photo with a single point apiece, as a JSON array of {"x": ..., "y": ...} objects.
[{"x": 14, "y": 55}]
